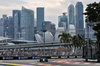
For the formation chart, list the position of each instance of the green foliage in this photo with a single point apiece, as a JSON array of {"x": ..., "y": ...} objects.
[
  {"x": 65, "y": 37},
  {"x": 93, "y": 15},
  {"x": 75, "y": 41},
  {"x": 98, "y": 52},
  {"x": 91, "y": 43},
  {"x": 93, "y": 12},
  {"x": 78, "y": 41}
]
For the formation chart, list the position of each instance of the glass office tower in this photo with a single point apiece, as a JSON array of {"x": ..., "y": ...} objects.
[
  {"x": 63, "y": 21},
  {"x": 91, "y": 32},
  {"x": 79, "y": 18},
  {"x": 17, "y": 19},
  {"x": 8, "y": 31},
  {"x": 47, "y": 25},
  {"x": 1, "y": 27},
  {"x": 53, "y": 28},
  {"x": 40, "y": 19},
  {"x": 71, "y": 14},
  {"x": 27, "y": 20}
]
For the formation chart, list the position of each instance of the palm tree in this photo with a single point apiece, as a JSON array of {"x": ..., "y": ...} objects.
[
  {"x": 82, "y": 40},
  {"x": 75, "y": 41},
  {"x": 65, "y": 37},
  {"x": 78, "y": 41},
  {"x": 91, "y": 43}
]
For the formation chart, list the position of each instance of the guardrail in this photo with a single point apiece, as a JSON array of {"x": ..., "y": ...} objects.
[{"x": 38, "y": 57}]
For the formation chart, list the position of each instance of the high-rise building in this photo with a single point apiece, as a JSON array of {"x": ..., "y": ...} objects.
[
  {"x": 17, "y": 32},
  {"x": 35, "y": 32},
  {"x": 47, "y": 25},
  {"x": 19, "y": 14},
  {"x": 60, "y": 24},
  {"x": 1, "y": 27},
  {"x": 91, "y": 32},
  {"x": 63, "y": 21},
  {"x": 15, "y": 23},
  {"x": 71, "y": 14},
  {"x": 27, "y": 20},
  {"x": 72, "y": 30},
  {"x": 35, "y": 27},
  {"x": 53, "y": 29},
  {"x": 5, "y": 22},
  {"x": 4, "y": 17},
  {"x": 16, "y": 20},
  {"x": 79, "y": 18},
  {"x": 40, "y": 19},
  {"x": 10, "y": 29}
]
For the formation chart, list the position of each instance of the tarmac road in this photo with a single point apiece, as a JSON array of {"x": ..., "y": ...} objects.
[{"x": 36, "y": 62}]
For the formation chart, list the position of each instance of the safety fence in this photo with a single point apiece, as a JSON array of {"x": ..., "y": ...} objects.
[{"x": 38, "y": 57}]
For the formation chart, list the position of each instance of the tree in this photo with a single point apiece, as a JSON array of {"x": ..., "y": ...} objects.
[
  {"x": 93, "y": 15},
  {"x": 78, "y": 41},
  {"x": 91, "y": 43},
  {"x": 65, "y": 37},
  {"x": 75, "y": 41}
]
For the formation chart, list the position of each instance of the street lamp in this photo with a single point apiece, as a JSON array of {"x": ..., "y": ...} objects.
[
  {"x": 87, "y": 40},
  {"x": 89, "y": 24},
  {"x": 44, "y": 39}
]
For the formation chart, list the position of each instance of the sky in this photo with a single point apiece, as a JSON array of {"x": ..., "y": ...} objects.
[{"x": 53, "y": 8}]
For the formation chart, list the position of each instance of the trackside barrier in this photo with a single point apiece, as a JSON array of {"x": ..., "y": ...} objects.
[{"x": 38, "y": 57}]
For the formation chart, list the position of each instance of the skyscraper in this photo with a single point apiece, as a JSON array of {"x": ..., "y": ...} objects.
[
  {"x": 71, "y": 14},
  {"x": 40, "y": 18},
  {"x": 17, "y": 24},
  {"x": 16, "y": 20},
  {"x": 27, "y": 20},
  {"x": 63, "y": 21},
  {"x": 53, "y": 29},
  {"x": 91, "y": 32},
  {"x": 5, "y": 22},
  {"x": 1, "y": 27},
  {"x": 10, "y": 29},
  {"x": 47, "y": 25},
  {"x": 79, "y": 18},
  {"x": 19, "y": 14},
  {"x": 60, "y": 24}
]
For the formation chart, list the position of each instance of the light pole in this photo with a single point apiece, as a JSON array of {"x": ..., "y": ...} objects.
[
  {"x": 44, "y": 39},
  {"x": 88, "y": 40},
  {"x": 89, "y": 24}
]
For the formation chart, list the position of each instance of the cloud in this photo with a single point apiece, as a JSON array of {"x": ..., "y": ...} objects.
[
  {"x": 67, "y": 2},
  {"x": 6, "y": 6},
  {"x": 53, "y": 8},
  {"x": 11, "y": 2}
]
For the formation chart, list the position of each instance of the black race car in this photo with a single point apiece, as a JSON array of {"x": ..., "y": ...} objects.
[{"x": 43, "y": 60}]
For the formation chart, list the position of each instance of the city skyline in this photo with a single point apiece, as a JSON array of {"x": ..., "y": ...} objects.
[
  {"x": 49, "y": 32},
  {"x": 51, "y": 11}
]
